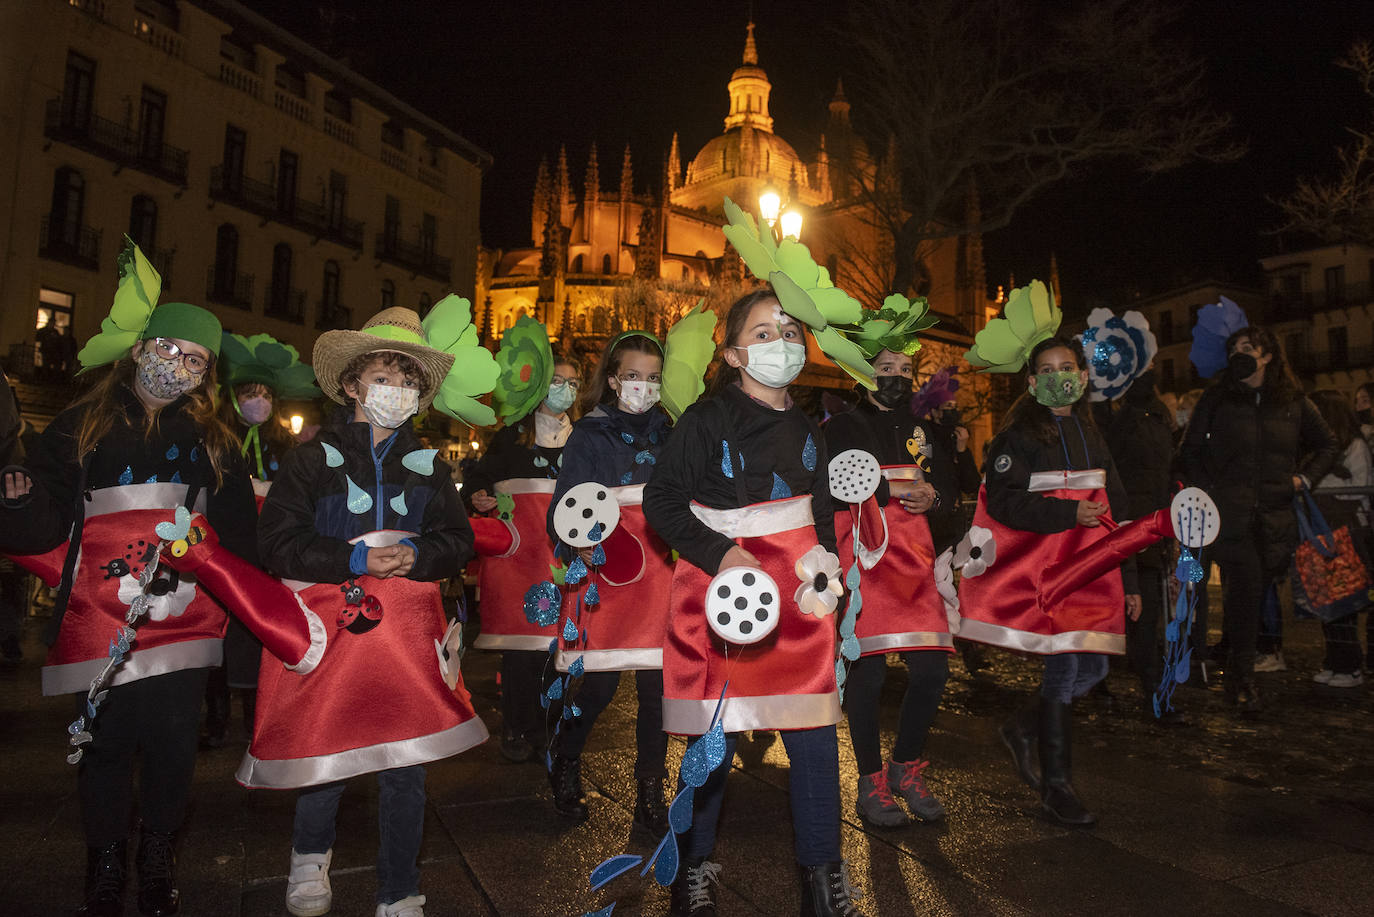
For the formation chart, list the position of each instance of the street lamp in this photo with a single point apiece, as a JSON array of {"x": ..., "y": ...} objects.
[
  {"x": 297, "y": 424},
  {"x": 791, "y": 221},
  {"x": 769, "y": 205},
  {"x": 785, "y": 222}
]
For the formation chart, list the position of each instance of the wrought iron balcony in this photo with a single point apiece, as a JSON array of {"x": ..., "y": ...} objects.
[
  {"x": 229, "y": 288},
  {"x": 68, "y": 242},
  {"x": 420, "y": 260},
  {"x": 110, "y": 140},
  {"x": 332, "y": 316},
  {"x": 285, "y": 304},
  {"x": 263, "y": 199}
]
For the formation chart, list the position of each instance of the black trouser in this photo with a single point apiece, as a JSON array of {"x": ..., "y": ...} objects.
[
  {"x": 158, "y": 720},
  {"x": 1243, "y": 585},
  {"x": 1142, "y": 635},
  {"x": 651, "y": 742},
  {"x": 927, "y": 672},
  {"x": 522, "y": 682},
  {"x": 1342, "y": 644}
]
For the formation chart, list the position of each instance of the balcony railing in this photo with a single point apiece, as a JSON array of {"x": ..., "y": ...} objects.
[
  {"x": 431, "y": 176},
  {"x": 1307, "y": 362},
  {"x": 115, "y": 142},
  {"x": 288, "y": 305},
  {"x": 293, "y": 105},
  {"x": 93, "y": 8},
  {"x": 262, "y": 199},
  {"x": 340, "y": 130},
  {"x": 231, "y": 74},
  {"x": 70, "y": 243},
  {"x": 229, "y": 288},
  {"x": 418, "y": 259},
  {"x": 332, "y": 316},
  {"x": 1298, "y": 305}
]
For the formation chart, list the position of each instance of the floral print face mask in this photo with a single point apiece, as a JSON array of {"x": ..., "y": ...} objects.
[{"x": 165, "y": 379}]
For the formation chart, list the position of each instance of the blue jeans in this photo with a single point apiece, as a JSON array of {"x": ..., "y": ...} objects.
[
  {"x": 400, "y": 819},
  {"x": 814, "y": 787},
  {"x": 1071, "y": 675}
]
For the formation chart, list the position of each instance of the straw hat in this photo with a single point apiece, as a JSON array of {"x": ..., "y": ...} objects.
[{"x": 396, "y": 329}]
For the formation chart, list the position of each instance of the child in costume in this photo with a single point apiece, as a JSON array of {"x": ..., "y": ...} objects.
[
  {"x": 142, "y": 441},
  {"x": 743, "y": 482},
  {"x": 902, "y": 611},
  {"x": 366, "y": 522},
  {"x": 257, "y": 372},
  {"x": 1050, "y": 491},
  {"x": 616, "y": 443},
  {"x": 536, "y": 393}
]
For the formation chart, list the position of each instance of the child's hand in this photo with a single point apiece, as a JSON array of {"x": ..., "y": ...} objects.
[
  {"x": 405, "y": 559},
  {"x": 383, "y": 562},
  {"x": 1088, "y": 511},
  {"x": 738, "y": 557},
  {"x": 483, "y": 502}
]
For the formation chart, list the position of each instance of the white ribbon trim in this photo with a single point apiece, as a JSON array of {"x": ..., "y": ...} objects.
[
  {"x": 618, "y": 660},
  {"x": 515, "y": 486},
  {"x": 758, "y": 520},
  {"x": 1074, "y": 641},
  {"x": 125, "y": 497},
  {"x": 70, "y": 677},
  {"x": 1090, "y": 479},
  {"x": 682, "y": 716},
  {"x": 319, "y": 639}
]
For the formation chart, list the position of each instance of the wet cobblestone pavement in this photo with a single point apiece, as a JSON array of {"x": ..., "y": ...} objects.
[{"x": 1223, "y": 816}]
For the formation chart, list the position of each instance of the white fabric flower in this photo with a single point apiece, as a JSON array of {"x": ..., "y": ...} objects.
[
  {"x": 821, "y": 585},
  {"x": 976, "y": 552},
  {"x": 944, "y": 584},
  {"x": 178, "y": 594}
]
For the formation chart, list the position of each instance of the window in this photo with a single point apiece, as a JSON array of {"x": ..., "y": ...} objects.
[
  {"x": 425, "y": 304},
  {"x": 577, "y": 264},
  {"x": 338, "y": 106},
  {"x": 605, "y": 264},
  {"x": 391, "y": 223},
  {"x": 55, "y": 310},
  {"x": 1166, "y": 374},
  {"x": 329, "y": 298},
  {"x": 279, "y": 294},
  {"x": 143, "y": 222},
  {"x": 1193, "y": 310},
  {"x": 1335, "y": 285},
  {"x": 1166, "y": 328},
  {"x": 429, "y": 233},
  {"x": 288, "y": 164},
  {"x": 152, "y": 119},
  {"x": 1338, "y": 347},
  {"x": 226, "y": 261},
  {"x": 77, "y": 86},
  {"x": 235, "y": 148},
  {"x": 388, "y": 294},
  {"x": 338, "y": 199},
  {"x": 68, "y": 202}
]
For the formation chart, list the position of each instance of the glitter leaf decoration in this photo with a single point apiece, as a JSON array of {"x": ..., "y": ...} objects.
[{"x": 359, "y": 500}]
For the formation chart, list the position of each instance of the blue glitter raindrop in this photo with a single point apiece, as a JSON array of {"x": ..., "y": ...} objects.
[
  {"x": 176, "y": 477},
  {"x": 332, "y": 457},
  {"x": 644, "y": 457},
  {"x": 173, "y": 452},
  {"x": 596, "y": 531},
  {"x": 152, "y": 480},
  {"x": 593, "y": 597},
  {"x": 665, "y": 864},
  {"x": 726, "y": 466},
  {"x": 126, "y": 476},
  {"x": 577, "y": 668},
  {"x": 420, "y": 461},
  {"x": 598, "y": 556},
  {"x": 577, "y": 571},
  {"x": 555, "y": 690},
  {"x": 398, "y": 504},
  {"x": 359, "y": 500},
  {"x": 616, "y": 866},
  {"x": 629, "y": 439},
  {"x": 809, "y": 454},
  {"x": 627, "y": 478},
  {"x": 680, "y": 810},
  {"x": 569, "y": 630},
  {"x": 195, "y": 453},
  {"x": 540, "y": 462},
  {"x": 780, "y": 489}
]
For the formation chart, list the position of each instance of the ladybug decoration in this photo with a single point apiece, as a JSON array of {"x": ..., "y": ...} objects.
[
  {"x": 361, "y": 612},
  {"x": 116, "y": 568}
]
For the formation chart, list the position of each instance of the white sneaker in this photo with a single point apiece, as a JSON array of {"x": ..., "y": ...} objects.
[
  {"x": 414, "y": 906},
  {"x": 1270, "y": 662},
  {"x": 1346, "y": 681},
  {"x": 307, "y": 887},
  {"x": 1323, "y": 677}
]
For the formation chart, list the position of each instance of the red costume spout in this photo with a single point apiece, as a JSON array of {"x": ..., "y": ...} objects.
[
  {"x": 491, "y": 536},
  {"x": 1064, "y": 578}
]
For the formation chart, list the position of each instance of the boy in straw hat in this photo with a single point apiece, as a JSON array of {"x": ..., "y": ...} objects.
[{"x": 366, "y": 521}]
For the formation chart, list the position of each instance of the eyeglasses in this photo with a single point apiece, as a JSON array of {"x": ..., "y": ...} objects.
[
  {"x": 562, "y": 380},
  {"x": 167, "y": 350}
]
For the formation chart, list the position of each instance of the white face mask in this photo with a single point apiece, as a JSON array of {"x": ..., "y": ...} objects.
[
  {"x": 775, "y": 363},
  {"x": 638, "y": 397},
  {"x": 389, "y": 406}
]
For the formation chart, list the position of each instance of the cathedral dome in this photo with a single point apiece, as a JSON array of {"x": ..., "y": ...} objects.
[{"x": 747, "y": 152}]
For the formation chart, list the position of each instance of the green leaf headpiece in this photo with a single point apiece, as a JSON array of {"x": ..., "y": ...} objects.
[
  {"x": 687, "y": 351},
  {"x": 1005, "y": 344},
  {"x": 265, "y": 360},
  {"x": 525, "y": 367},
  {"x": 894, "y": 327}
]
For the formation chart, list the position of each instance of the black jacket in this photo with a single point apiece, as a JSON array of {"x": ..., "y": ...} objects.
[
  {"x": 1243, "y": 446},
  {"x": 769, "y": 460},
  {"x": 173, "y": 454},
  {"x": 1014, "y": 454},
  {"x": 885, "y": 434},
  {"x": 306, "y": 522},
  {"x": 1141, "y": 440},
  {"x": 507, "y": 458}
]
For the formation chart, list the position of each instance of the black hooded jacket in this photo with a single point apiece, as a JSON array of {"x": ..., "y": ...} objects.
[
  {"x": 1141, "y": 440},
  {"x": 1243, "y": 446}
]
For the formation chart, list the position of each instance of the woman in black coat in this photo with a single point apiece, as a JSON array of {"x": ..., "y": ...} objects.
[{"x": 1254, "y": 439}]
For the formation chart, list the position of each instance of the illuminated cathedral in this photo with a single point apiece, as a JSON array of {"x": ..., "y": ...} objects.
[{"x": 604, "y": 260}]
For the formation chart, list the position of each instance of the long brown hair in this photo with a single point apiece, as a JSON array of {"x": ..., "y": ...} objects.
[
  {"x": 1278, "y": 378},
  {"x": 524, "y": 431},
  {"x": 104, "y": 406},
  {"x": 1033, "y": 417},
  {"x": 738, "y": 313},
  {"x": 597, "y": 390}
]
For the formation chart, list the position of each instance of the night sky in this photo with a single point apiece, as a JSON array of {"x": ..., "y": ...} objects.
[{"x": 518, "y": 78}]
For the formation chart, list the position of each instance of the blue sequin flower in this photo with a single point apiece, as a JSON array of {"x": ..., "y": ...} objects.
[{"x": 542, "y": 603}]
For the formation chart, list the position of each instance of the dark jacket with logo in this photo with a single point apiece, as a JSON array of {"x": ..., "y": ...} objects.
[
  {"x": 1243, "y": 446},
  {"x": 315, "y": 507}
]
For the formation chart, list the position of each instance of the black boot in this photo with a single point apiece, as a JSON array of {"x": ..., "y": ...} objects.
[
  {"x": 1057, "y": 796},
  {"x": 1019, "y": 735},
  {"x": 1244, "y": 693},
  {"x": 105, "y": 868},
  {"x": 157, "y": 882},
  {"x": 693, "y": 892},
  {"x": 650, "y": 810},
  {"x": 826, "y": 891},
  {"x": 566, "y": 780}
]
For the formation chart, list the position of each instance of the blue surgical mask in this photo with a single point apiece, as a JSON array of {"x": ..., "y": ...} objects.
[{"x": 560, "y": 397}]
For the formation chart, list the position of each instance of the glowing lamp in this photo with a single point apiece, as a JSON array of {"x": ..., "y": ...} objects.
[
  {"x": 791, "y": 223},
  {"x": 297, "y": 424},
  {"x": 769, "y": 205}
]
